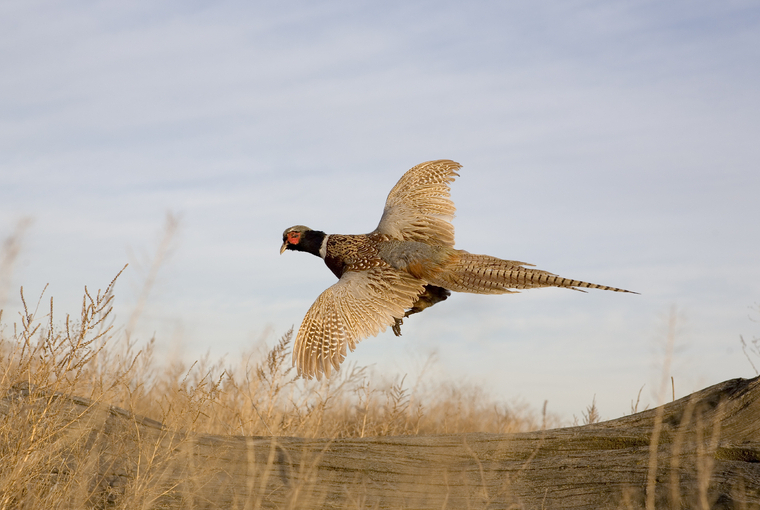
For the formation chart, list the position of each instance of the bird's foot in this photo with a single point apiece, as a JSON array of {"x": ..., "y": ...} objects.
[{"x": 397, "y": 326}]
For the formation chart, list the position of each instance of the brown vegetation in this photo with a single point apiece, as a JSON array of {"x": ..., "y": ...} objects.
[
  {"x": 46, "y": 365},
  {"x": 88, "y": 420}
]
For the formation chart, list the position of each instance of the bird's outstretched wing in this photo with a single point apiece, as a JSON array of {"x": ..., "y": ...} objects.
[
  {"x": 419, "y": 207},
  {"x": 361, "y": 304}
]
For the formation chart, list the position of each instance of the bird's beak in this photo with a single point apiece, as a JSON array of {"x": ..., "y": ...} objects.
[{"x": 283, "y": 248}]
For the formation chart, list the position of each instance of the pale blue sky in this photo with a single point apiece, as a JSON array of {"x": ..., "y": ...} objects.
[{"x": 614, "y": 142}]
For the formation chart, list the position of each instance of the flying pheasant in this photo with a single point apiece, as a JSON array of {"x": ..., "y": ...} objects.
[{"x": 408, "y": 263}]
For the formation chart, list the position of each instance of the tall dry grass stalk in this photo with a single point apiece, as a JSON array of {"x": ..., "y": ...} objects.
[
  {"x": 9, "y": 251},
  {"x": 753, "y": 347},
  {"x": 655, "y": 439}
]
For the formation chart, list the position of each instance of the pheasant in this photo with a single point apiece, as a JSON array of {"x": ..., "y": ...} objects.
[{"x": 408, "y": 263}]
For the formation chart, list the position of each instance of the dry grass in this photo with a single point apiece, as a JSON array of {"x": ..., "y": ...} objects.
[
  {"x": 52, "y": 452},
  {"x": 58, "y": 377},
  {"x": 258, "y": 396},
  {"x": 43, "y": 358}
]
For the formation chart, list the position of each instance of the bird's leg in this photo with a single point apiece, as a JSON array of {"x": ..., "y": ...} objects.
[
  {"x": 397, "y": 326},
  {"x": 431, "y": 296}
]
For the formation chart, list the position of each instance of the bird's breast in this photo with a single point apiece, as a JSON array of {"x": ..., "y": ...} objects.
[{"x": 351, "y": 253}]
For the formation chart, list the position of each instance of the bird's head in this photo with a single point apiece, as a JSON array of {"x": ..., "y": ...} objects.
[{"x": 293, "y": 237}]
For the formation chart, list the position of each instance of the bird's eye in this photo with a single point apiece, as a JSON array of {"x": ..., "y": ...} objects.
[{"x": 294, "y": 237}]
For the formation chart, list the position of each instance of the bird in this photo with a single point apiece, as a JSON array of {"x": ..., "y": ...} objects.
[{"x": 407, "y": 264}]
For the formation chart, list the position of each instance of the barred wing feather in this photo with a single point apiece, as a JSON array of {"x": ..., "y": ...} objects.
[
  {"x": 419, "y": 207},
  {"x": 359, "y": 305}
]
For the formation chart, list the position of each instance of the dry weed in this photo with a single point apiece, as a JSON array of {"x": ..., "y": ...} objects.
[
  {"x": 59, "y": 379},
  {"x": 61, "y": 446}
]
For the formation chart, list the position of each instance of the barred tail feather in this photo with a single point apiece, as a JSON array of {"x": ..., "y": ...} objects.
[{"x": 483, "y": 274}]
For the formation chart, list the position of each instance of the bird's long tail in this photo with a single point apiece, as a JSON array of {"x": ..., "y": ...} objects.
[{"x": 483, "y": 274}]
